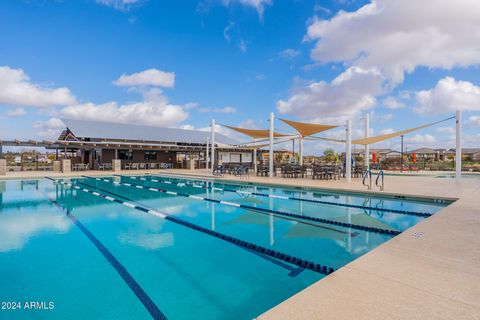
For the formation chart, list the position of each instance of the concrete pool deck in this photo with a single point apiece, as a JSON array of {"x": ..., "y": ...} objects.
[{"x": 430, "y": 271}]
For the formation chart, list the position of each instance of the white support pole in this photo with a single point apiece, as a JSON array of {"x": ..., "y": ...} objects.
[
  {"x": 255, "y": 157},
  {"x": 458, "y": 147},
  {"x": 367, "y": 134},
  {"x": 270, "y": 159},
  {"x": 348, "y": 152},
  {"x": 212, "y": 156},
  {"x": 207, "y": 155},
  {"x": 300, "y": 150}
]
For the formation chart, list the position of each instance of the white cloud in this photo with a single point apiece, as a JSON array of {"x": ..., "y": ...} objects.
[
  {"x": 260, "y": 76},
  {"x": 187, "y": 127},
  {"x": 149, "y": 241},
  {"x": 348, "y": 94},
  {"x": 226, "y": 31},
  {"x": 421, "y": 139},
  {"x": 150, "y": 77},
  {"x": 243, "y": 46},
  {"x": 447, "y": 96},
  {"x": 219, "y": 110},
  {"x": 320, "y": 9},
  {"x": 386, "y": 131},
  {"x": 258, "y": 5},
  {"x": 382, "y": 118},
  {"x": 17, "y": 229},
  {"x": 49, "y": 129},
  {"x": 449, "y": 130},
  {"x": 191, "y": 105},
  {"x": 17, "y": 112},
  {"x": 249, "y": 124},
  {"x": 392, "y": 103},
  {"x": 154, "y": 110},
  {"x": 16, "y": 89},
  {"x": 121, "y": 5},
  {"x": 398, "y": 36},
  {"x": 289, "y": 53},
  {"x": 474, "y": 121}
]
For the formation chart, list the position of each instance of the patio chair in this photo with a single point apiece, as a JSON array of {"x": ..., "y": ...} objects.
[
  {"x": 262, "y": 171},
  {"x": 219, "y": 170},
  {"x": 241, "y": 171}
]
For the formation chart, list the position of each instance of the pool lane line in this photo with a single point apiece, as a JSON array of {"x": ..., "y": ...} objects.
[
  {"x": 389, "y": 232},
  {"x": 293, "y": 272},
  {"x": 352, "y": 234},
  {"x": 144, "y": 298},
  {"x": 316, "y": 267},
  {"x": 406, "y": 212}
]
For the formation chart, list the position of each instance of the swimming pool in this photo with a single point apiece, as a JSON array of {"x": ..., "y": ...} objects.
[{"x": 144, "y": 247}]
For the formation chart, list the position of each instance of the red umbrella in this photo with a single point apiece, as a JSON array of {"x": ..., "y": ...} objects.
[
  {"x": 414, "y": 157},
  {"x": 374, "y": 157}
]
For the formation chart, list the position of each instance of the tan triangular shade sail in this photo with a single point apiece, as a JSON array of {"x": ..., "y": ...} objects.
[
  {"x": 259, "y": 146},
  {"x": 307, "y": 129},
  {"x": 326, "y": 139},
  {"x": 256, "y": 133},
  {"x": 383, "y": 137},
  {"x": 363, "y": 219}
]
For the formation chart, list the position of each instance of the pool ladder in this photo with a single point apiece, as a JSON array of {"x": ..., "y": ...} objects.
[
  {"x": 367, "y": 174},
  {"x": 380, "y": 174},
  {"x": 368, "y": 184}
]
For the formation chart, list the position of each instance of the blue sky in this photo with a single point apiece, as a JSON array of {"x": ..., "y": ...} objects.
[{"x": 238, "y": 60}]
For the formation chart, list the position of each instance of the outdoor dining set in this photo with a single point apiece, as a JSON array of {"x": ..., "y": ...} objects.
[{"x": 326, "y": 171}]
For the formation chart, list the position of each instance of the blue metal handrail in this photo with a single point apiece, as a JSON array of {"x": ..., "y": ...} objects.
[
  {"x": 367, "y": 173},
  {"x": 380, "y": 174}
]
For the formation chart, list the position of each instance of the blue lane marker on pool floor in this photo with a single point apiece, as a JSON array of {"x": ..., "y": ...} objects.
[
  {"x": 406, "y": 212},
  {"x": 390, "y": 232},
  {"x": 238, "y": 242},
  {"x": 293, "y": 272},
  {"x": 147, "y": 302}
]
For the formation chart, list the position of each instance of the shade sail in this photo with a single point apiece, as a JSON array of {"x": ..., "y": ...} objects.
[
  {"x": 383, "y": 137},
  {"x": 256, "y": 133},
  {"x": 363, "y": 219},
  {"x": 259, "y": 146},
  {"x": 326, "y": 139},
  {"x": 307, "y": 129}
]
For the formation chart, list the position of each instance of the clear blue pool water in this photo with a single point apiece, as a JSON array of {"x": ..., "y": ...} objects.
[{"x": 45, "y": 257}]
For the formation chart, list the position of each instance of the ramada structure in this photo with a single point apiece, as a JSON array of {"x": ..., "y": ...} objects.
[{"x": 95, "y": 143}]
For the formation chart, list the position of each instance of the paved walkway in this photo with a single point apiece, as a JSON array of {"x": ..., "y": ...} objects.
[
  {"x": 432, "y": 276},
  {"x": 430, "y": 271}
]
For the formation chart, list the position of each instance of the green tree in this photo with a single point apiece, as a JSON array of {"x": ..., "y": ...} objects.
[{"x": 329, "y": 155}]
